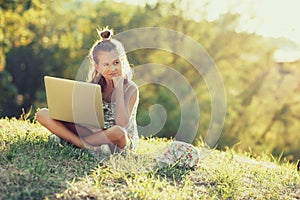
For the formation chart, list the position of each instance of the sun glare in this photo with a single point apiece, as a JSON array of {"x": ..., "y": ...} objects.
[
  {"x": 271, "y": 18},
  {"x": 279, "y": 18}
]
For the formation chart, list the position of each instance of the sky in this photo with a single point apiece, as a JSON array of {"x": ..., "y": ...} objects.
[{"x": 271, "y": 18}]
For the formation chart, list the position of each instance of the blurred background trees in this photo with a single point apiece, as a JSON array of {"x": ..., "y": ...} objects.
[{"x": 53, "y": 37}]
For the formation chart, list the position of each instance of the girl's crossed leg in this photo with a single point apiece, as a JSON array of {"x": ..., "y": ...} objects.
[{"x": 79, "y": 135}]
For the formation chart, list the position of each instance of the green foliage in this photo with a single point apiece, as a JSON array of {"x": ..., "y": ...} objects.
[{"x": 54, "y": 37}]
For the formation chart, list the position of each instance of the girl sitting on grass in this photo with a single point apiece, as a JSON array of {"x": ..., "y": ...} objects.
[{"x": 120, "y": 97}]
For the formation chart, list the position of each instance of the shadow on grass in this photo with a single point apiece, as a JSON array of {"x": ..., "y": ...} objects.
[
  {"x": 35, "y": 169},
  {"x": 134, "y": 176}
]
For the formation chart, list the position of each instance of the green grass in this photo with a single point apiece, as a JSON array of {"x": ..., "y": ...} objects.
[{"x": 31, "y": 167}]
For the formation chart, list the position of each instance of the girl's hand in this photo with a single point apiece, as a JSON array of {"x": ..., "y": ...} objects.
[{"x": 118, "y": 81}]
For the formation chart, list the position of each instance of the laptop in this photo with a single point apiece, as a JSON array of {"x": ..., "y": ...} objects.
[{"x": 74, "y": 101}]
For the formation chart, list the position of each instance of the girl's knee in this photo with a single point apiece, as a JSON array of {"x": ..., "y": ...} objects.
[
  {"x": 42, "y": 116},
  {"x": 114, "y": 133}
]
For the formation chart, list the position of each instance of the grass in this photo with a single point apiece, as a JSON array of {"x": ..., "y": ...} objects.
[{"x": 31, "y": 167}]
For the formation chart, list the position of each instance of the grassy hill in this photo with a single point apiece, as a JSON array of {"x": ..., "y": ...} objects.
[{"x": 31, "y": 167}]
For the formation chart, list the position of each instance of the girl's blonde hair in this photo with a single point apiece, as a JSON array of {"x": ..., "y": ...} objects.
[{"x": 106, "y": 43}]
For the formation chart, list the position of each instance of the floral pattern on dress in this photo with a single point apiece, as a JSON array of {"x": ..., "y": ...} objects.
[
  {"x": 109, "y": 114},
  {"x": 181, "y": 154}
]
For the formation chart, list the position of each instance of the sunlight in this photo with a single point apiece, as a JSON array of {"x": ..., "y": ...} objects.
[
  {"x": 269, "y": 18},
  {"x": 279, "y": 18}
]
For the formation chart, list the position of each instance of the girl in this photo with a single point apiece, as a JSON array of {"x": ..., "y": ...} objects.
[{"x": 119, "y": 95}]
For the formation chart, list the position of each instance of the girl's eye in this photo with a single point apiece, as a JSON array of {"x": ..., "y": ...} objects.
[{"x": 116, "y": 62}]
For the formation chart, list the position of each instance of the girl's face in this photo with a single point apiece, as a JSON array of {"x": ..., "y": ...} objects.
[{"x": 109, "y": 64}]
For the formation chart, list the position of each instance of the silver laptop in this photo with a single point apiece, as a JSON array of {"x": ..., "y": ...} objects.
[{"x": 74, "y": 101}]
